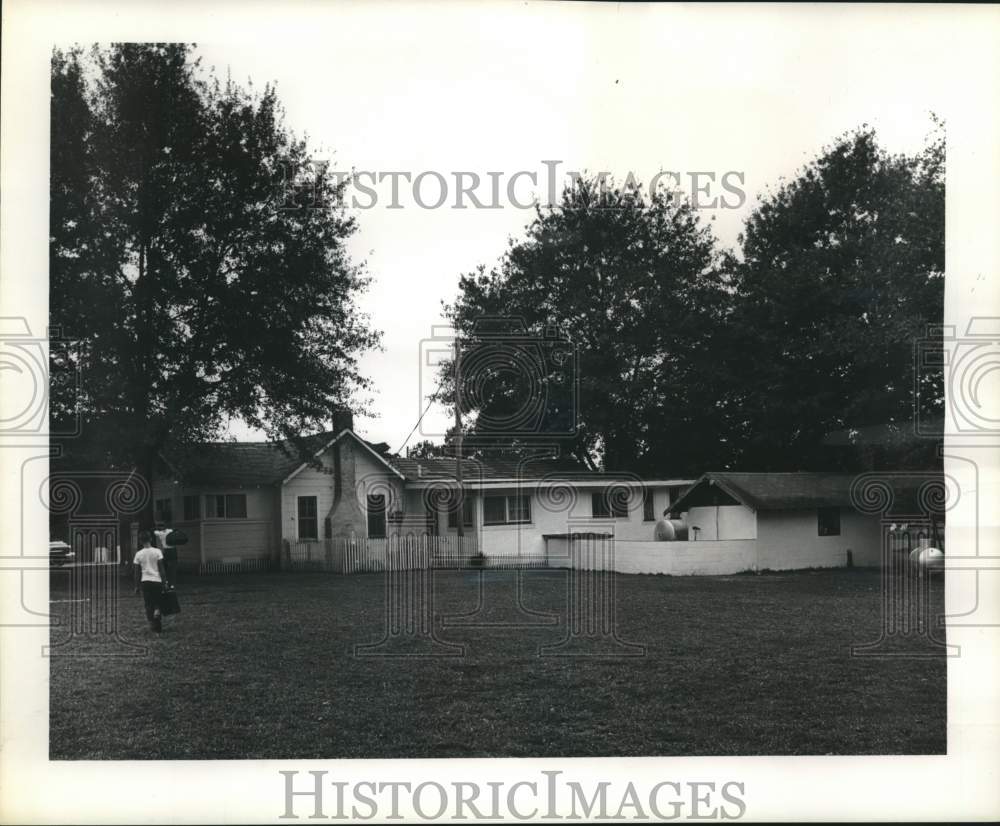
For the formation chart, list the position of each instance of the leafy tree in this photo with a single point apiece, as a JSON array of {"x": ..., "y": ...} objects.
[
  {"x": 632, "y": 281},
  {"x": 424, "y": 449},
  {"x": 195, "y": 282},
  {"x": 842, "y": 270}
]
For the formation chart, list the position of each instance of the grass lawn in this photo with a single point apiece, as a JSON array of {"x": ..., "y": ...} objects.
[{"x": 264, "y": 666}]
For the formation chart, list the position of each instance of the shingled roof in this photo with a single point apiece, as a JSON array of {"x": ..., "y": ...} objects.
[
  {"x": 490, "y": 469},
  {"x": 790, "y": 491},
  {"x": 264, "y": 463},
  {"x": 242, "y": 463}
]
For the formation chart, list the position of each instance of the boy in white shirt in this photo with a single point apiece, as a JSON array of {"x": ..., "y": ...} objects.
[{"x": 148, "y": 573}]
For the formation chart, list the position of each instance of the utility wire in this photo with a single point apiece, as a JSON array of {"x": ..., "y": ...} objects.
[{"x": 430, "y": 401}]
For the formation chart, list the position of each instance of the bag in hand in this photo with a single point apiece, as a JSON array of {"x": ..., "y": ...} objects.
[
  {"x": 175, "y": 538},
  {"x": 169, "y": 604}
]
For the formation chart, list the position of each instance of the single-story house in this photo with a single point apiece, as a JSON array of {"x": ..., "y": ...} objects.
[
  {"x": 795, "y": 520},
  {"x": 242, "y": 503}
]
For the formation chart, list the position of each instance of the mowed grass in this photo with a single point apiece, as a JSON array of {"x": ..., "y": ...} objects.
[{"x": 266, "y": 666}]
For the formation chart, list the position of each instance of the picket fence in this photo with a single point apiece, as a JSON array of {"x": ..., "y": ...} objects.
[{"x": 351, "y": 555}]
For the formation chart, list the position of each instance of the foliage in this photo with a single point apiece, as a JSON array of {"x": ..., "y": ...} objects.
[
  {"x": 794, "y": 353},
  {"x": 842, "y": 271},
  {"x": 632, "y": 281},
  {"x": 194, "y": 282}
]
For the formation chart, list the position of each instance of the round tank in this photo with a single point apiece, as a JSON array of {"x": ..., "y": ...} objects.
[
  {"x": 671, "y": 530},
  {"x": 930, "y": 559}
]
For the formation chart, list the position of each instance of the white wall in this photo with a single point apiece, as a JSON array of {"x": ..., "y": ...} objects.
[
  {"x": 261, "y": 503},
  {"x": 518, "y": 540},
  {"x": 213, "y": 539},
  {"x": 239, "y": 539},
  {"x": 362, "y": 474},
  {"x": 789, "y": 539},
  {"x": 722, "y": 522},
  {"x": 786, "y": 540},
  {"x": 309, "y": 482},
  {"x": 649, "y": 557},
  {"x": 572, "y": 516}
]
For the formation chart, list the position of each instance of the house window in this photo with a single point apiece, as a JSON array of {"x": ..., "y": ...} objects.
[
  {"x": 648, "y": 513},
  {"x": 376, "y": 516},
  {"x": 226, "y": 506},
  {"x": 467, "y": 520},
  {"x": 192, "y": 508},
  {"x": 609, "y": 504},
  {"x": 506, "y": 510},
  {"x": 164, "y": 510},
  {"x": 308, "y": 522},
  {"x": 828, "y": 522}
]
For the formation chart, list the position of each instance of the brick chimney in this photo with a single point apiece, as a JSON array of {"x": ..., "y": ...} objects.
[{"x": 343, "y": 420}]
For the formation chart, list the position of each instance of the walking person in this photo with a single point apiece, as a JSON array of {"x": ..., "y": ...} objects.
[
  {"x": 169, "y": 553},
  {"x": 149, "y": 575}
]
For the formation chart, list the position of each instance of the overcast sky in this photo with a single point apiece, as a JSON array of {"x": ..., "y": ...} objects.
[{"x": 619, "y": 88}]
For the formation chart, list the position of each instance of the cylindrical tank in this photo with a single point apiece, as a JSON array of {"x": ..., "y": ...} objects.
[
  {"x": 671, "y": 530},
  {"x": 930, "y": 559}
]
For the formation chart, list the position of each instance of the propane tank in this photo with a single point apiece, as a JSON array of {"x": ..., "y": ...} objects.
[
  {"x": 670, "y": 530},
  {"x": 928, "y": 559}
]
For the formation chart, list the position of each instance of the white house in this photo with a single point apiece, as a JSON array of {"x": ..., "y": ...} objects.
[
  {"x": 783, "y": 520},
  {"x": 246, "y": 504}
]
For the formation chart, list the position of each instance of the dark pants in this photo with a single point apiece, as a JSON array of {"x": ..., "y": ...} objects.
[
  {"x": 170, "y": 565},
  {"x": 151, "y": 597}
]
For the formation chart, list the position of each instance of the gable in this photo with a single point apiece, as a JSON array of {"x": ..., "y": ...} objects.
[{"x": 371, "y": 457}]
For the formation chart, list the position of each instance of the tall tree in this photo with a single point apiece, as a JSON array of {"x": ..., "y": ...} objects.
[
  {"x": 842, "y": 270},
  {"x": 194, "y": 281},
  {"x": 631, "y": 280}
]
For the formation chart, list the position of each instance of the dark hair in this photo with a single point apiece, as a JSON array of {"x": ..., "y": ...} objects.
[{"x": 145, "y": 537}]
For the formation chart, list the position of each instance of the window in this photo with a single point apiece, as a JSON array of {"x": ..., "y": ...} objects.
[
  {"x": 376, "y": 515},
  {"x": 192, "y": 508},
  {"x": 466, "y": 513},
  {"x": 226, "y": 506},
  {"x": 433, "y": 520},
  {"x": 164, "y": 510},
  {"x": 828, "y": 522},
  {"x": 648, "y": 513},
  {"x": 611, "y": 503},
  {"x": 308, "y": 523},
  {"x": 506, "y": 510}
]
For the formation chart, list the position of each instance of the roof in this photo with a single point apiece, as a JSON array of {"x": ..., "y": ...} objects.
[
  {"x": 790, "y": 491},
  {"x": 373, "y": 449},
  {"x": 243, "y": 463},
  {"x": 489, "y": 469},
  {"x": 264, "y": 463}
]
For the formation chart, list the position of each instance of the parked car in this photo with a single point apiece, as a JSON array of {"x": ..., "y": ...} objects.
[{"x": 60, "y": 553}]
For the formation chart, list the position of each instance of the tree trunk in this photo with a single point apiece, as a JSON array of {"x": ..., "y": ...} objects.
[{"x": 147, "y": 469}]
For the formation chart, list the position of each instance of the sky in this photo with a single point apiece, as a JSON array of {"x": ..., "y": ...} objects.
[{"x": 508, "y": 87}]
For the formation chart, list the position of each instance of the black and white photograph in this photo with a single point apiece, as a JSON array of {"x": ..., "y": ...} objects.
[{"x": 517, "y": 411}]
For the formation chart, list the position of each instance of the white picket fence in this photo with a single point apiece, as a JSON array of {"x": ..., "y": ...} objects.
[{"x": 351, "y": 555}]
